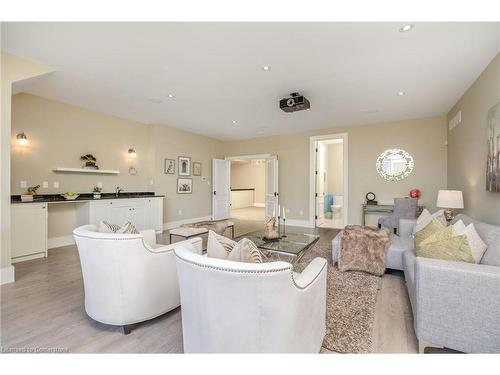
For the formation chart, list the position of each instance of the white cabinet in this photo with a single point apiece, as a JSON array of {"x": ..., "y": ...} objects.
[
  {"x": 29, "y": 231},
  {"x": 144, "y": 213}
]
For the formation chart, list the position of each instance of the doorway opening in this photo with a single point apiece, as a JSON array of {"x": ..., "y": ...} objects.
[
  {"x": 248, "y": 181},
  {"x": 245, "y": 187},
  {"x": 329, "y": 181}
]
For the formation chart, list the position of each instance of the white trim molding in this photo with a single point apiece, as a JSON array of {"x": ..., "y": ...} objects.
[
  {"x": 7, "y": 275},
  {"x": 262, "y": 205},
  {"x": 60, "y": 241},
  {"x": 178, "y": 223},
  {"x": 312, "y": 176}
]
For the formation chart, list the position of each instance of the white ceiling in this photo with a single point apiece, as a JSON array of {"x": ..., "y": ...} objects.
[{"x": 351, "y": 72}]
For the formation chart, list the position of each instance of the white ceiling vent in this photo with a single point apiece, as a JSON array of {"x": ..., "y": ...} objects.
[{"x": 456, "y": 120}]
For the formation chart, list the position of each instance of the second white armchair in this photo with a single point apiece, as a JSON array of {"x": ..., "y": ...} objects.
[{"x": 235, "y": 307}]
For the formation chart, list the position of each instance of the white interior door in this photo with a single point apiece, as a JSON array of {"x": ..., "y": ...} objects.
[
  {"x": 271, "y": 199},
  {"x": 221, "y": 190},
  {"x": 320, "y": 182}
]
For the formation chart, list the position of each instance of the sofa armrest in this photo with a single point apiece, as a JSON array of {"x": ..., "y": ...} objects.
[
  {"x": 192, "y": 244},
  {"x": 458, "y": 305},
  {"x": 406, "y": 227},
  {"x": 310, "y": 273},
  {"x": 149, "y": 236}
]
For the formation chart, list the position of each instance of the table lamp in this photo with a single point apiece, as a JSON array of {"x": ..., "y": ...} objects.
[{"x": 449, "y": 199}]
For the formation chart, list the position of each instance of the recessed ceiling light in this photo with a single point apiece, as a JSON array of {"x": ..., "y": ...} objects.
[
  {"x": 234, "y": 121},
  {"x": 266, "y": 68},
  {"x": 405, "y": 28},
  {"x": 307, "y": 109},
  {"x": 171, "y": 96},
  {"x": 401, "y": 93}
]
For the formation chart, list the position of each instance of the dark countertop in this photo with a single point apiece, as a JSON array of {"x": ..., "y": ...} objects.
[{"x": 48, "y": 198}]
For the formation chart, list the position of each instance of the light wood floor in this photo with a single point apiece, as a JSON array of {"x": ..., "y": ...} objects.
[{"x": 44, "y": 309}]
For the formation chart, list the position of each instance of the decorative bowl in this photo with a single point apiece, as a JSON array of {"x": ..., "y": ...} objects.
[{"x": 70, "y": 196}]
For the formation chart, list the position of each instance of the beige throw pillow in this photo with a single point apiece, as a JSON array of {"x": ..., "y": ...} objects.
[
  {"x": 245, "y": 251},
  {"x": 426, "y": 217},
  {"x": 454, "y": 248},
  {"x": 224, "y": 248},
  {"x": 128, "y": 228},
  {"x": 431, "y": 228},
  {"x": 219, "y": 246},
  {"x": 476, "y": 244}
]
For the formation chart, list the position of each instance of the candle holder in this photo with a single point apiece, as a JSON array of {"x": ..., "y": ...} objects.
[
  {"x": 284, "y": 228},
  {"x": 279, "y": 226}
]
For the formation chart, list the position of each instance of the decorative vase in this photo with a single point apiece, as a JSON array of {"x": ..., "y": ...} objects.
[{"x": 270, "y": 230}]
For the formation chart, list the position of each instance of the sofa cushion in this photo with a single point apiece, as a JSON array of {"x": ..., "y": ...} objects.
[
  {"x": 476, "y": 244},
  {"x": 492, "y": 255}
]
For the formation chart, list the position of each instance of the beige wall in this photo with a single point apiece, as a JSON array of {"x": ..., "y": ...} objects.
[
  {"x": 13, "y": 69},
  {"x": 423, "y": 138},
  {"x": 250, "y": 175},
  {"x": 171, "y": 143},
  {"x": 60, "y": 133},
  {"x": 467, "y": 149},
  {"x": 335, "y": 175}
]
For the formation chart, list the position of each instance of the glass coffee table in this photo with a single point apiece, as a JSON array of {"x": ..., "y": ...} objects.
[{"x": 289, "y": 249}]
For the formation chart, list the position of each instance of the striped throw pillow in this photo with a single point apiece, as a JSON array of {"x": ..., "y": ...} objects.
[
  {"x": 128, "y": 228},
  {"x": 106, "y": 227},
  {"x": 245, "y": 251}
]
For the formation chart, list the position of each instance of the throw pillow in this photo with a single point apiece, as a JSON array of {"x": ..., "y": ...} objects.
[
  {"x": 422, "y": 221},
  {"x": 454, "y": 248},
  {"x": 128, "y": 228},
  {"x": 106, "y": 227},
  {"x": 219, "y": 246},
  {"x": 431, "y": 228},
  {"x": 476, "y": 244},
  {"x": 458, "y": 227},
  {"x": 245, "y": 251}
]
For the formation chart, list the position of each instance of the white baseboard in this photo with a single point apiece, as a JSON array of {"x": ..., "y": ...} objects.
[
  {"x": 299, "y": 223},
  {"x": 60, "y": 241},
  {"x": 263, "y": 205},
  {"x": 7, "y": 275},
  {"x": 178, "y": 223}
]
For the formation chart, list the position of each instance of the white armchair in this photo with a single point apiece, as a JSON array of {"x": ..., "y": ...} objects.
[
  {"x": 250, "y": 308},
  {"x": 127, "y": 278}
]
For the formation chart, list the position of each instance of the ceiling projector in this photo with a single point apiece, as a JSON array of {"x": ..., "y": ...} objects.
[{"x": 294, "y": 103}]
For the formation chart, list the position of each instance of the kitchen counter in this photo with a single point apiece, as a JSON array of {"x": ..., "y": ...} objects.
[{"x": 84, "y": 197}]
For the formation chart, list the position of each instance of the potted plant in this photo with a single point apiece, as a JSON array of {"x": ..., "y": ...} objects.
[
  {"x": 97, "y": 192},
  {"x": 90, "y": 161}
]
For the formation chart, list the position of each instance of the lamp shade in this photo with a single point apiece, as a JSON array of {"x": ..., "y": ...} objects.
[{"x": 450, "y": 199}]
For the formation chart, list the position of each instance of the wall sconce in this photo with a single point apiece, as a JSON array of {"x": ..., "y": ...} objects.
[
  {"x": 22, "y": 140},
  {"x": 132, "y": 153}
]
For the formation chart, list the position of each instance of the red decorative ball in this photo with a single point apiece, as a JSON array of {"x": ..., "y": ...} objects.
[{"x": 414, "y": 193}]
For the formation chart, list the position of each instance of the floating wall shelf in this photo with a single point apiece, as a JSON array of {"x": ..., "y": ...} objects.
[{"x": 84, "y": 170}]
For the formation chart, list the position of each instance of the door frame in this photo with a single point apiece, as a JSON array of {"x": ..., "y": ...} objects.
[
  {"x": 248, "y": 157},
  {"x": 312, "y": 175}
]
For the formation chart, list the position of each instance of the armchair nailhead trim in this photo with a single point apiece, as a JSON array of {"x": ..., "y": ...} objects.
[
  {"x": 253, "y": 271},
  {"x": 144, "y": 244}
]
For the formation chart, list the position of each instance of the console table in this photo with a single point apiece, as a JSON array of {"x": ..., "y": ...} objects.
[{"x": 382, "y": 208}]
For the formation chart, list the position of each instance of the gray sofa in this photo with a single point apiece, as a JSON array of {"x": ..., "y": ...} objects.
[{"x": 455, "y": 304}]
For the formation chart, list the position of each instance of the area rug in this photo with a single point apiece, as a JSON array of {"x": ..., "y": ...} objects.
[{"x": 350, "y": 304}]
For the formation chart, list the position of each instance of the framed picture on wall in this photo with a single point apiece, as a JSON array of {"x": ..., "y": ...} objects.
[
  {"x": 196, "y": 168},
  {"x": 184, "y": 166},
  {"x": 184, "y": 185},
  {"x": 169, "y": 166}
]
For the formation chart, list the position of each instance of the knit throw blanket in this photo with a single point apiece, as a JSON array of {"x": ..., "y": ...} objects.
[
  {"x": 218, "y": 226},
  {"x": 363, "y": 249}
]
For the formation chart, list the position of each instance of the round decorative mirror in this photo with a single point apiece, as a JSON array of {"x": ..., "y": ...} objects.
[{"x": 394, "y": 164}]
